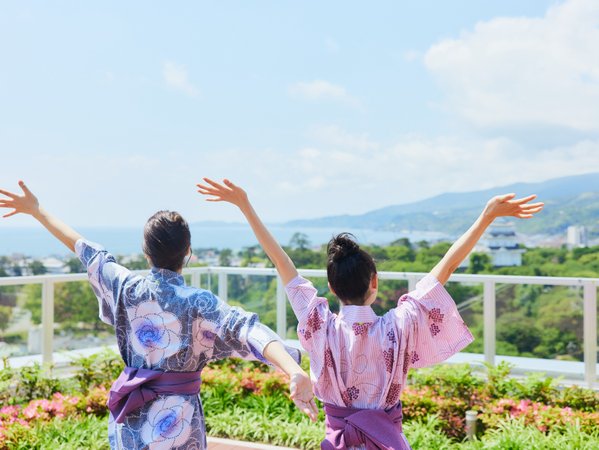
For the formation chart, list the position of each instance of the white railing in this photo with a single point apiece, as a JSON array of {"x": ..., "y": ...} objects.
[{"x": 489, "y": 282}]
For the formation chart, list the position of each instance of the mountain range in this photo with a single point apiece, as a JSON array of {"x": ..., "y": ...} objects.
[{"x": 571, "y": 200}]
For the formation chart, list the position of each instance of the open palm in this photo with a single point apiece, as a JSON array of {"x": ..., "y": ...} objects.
[
  {"x": 24, "y": 204},
  {"x": 226, "y": 192},
  {"x": 506, "y": 205}
]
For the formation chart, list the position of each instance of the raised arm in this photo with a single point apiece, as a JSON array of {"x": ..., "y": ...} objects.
[
  {"x": 502, "y": 205},
  {"x": 228, "y": 192},
  {"x": 29, "y": 204}
]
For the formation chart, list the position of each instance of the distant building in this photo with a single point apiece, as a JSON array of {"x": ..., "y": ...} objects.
[
  {"x": 503, "y": 246},
  {"x": 577, "y": 236},
  {"x": 54, "y": 266}
]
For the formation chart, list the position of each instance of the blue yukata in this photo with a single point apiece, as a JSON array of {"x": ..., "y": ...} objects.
[{"x": 162, "y": 324}]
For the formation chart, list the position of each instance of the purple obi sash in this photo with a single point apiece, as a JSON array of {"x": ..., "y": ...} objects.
[
  {"x": 374, "y": 428},
  {"x": 135, "y": 387}
]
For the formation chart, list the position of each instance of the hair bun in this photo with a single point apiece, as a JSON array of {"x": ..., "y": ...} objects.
[{"x": 341, "y": 246}]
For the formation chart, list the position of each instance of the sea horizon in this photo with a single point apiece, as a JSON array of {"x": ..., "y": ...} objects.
[{"x": 38, "y": 243}]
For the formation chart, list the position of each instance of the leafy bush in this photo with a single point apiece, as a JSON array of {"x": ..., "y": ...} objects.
[
  {"x": 239, "y": 423},
  {"x": 100, "y": 369},
  {"x": 249, "y": 401},
  {"x": 86, "y": 432},
  {"x": 28, "y": 383}
]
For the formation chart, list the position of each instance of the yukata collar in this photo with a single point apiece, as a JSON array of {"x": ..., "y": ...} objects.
[
  {"x": 357, "y": 314},
  {"x": 166, "y": 276}
]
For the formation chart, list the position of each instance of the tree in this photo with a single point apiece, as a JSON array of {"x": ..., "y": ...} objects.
[
  {"x": 5, "y": 315},
  {"x": 74, "y": 265},
  {"x": 400, "y": 253},
  {"x": 75, "y": 305},
  {"x": 518, "y": 330},
  {"x": 4, "y": 265},
  {"x": 422, "y": 244},
  {"x": 37, "y": 267},
  {"x": 299, "y": 241},
  {"x": 16, "y": 270},
  {"x": 402, "y": 242},
  {"x": 248, "y": 254},
  {"x": 138, "y": 263},
  {"x": 224, "y": 257},
  {"x": 479, "y": 262}
]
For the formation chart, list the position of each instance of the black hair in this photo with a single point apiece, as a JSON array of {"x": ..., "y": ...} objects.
[
  {"x": 349, "y": 268},
  {"x": 166, "y": 240}
]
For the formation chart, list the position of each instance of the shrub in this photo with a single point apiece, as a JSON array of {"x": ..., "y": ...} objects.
[
  {"x": 250, "y": 401},
  {"x": 100, "y": 369}
]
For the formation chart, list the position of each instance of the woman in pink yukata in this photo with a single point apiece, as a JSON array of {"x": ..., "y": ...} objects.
[
  {"x": 166, "y": 333},
  {"x": 359, "y": 361}
]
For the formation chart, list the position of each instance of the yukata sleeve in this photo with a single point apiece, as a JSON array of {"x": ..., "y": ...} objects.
[
  {"x": 239, "y": 333},
  {"x": 431, "y": 325},
  {"x": 313, "y": 316},
  {"x": 107, "y": 278}
]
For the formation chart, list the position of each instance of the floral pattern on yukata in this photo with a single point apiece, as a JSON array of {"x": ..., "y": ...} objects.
[
  {"x": 155, "y": 333},
  {"x": 162, "y": 324},
  {"x": 361, "y": 329},
  {"x": 361, "y": 360},
  {"x": 169, "y": 423}
]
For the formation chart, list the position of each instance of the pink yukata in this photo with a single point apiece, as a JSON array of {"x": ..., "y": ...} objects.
[{"x": 361, "y": 360}]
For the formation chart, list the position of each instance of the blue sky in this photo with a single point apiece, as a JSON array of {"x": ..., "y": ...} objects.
[{"x": 111, "y": 111}]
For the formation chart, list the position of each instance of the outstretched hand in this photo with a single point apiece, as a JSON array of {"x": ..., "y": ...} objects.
[
  {"x": 506, "y": 205},
  {"x": 302, "y": 396},
  {"x": 226, "y": 192},
  {"x": 24, "y": 204}
]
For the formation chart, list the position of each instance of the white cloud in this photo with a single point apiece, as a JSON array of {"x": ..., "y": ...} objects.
[
  {"x": 321, "y": 90},
  {"x": 515, "y": 72},
  {"x": 176, "y": 77},
  {"x": 97, "y": 189},
  {"x": 319, "y": 180}
]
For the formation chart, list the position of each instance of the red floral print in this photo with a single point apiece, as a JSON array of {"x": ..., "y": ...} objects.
[
  {"x": 328, "y": 358},
  {"x": 353, "y": 392},
  {"x": 393, "y": 394},
  {"x": 314, "y": 322},
  {"x": 361, "y": 328},
  {"x": 388, "y": 355},
  {"x": 435, "y": 315}
]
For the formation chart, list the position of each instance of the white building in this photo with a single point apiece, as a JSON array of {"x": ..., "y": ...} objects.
[
  {"x": 54, "y": 266},
  {"x": 502, "y": 245},
  {"x": 577, "y": 236}
]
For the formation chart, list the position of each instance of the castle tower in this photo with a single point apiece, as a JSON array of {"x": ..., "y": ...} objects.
[{"x": 502, "y": 245}]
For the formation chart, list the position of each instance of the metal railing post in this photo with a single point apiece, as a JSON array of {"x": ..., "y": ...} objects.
[
  {"x": 412, "y": 283},
  {"x": 489, "y": 321},
  {"x": 196, "y": 279},
  {"x": 47, "y": 334},
  {"x": 222, "y": 286},
  {"x": 590, "y": 332},
  {"x": 281, "y": 309}
]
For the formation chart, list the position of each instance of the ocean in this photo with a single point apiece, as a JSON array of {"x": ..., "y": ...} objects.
[{"x": 37, "y": 242}]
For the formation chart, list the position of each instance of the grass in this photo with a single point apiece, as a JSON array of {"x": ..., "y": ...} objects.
[{"x": 90, "y": 433}]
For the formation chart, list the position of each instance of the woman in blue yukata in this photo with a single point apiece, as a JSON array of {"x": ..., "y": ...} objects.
[{"x": 166, "y": 333}]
